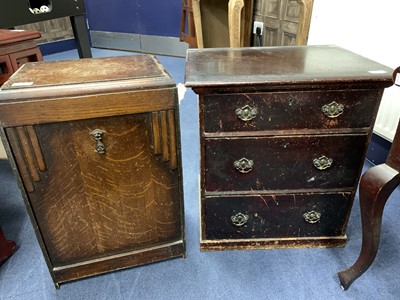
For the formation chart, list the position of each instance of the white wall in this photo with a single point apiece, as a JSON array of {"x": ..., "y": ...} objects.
[{"x": 368, "y": 27}]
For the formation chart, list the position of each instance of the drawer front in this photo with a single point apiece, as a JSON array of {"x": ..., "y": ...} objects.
[
  {"x": 275, "y": 163},
  {"x": 276, "y": 216},
  {"x": 99, "y": 187},
  {"x": 289, "y": 110}
]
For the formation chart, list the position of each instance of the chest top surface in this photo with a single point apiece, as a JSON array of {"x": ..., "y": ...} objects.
[
  {"x": 281, "y": 65},
  {"x": 87, "y": 75},
  {"x": 43, "y": 92}
]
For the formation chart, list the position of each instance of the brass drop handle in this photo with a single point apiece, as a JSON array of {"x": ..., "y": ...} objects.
[
  {"x": 312, "y": 217},
  {"x": 239, "y": 219},
  {"x": 333, "y": 109},
  {"x": 243, "y": 165},
  {"x": 97, "y": 134},
  {"x": 323, "y": 162},
  {"x": 246, "y": 113}
]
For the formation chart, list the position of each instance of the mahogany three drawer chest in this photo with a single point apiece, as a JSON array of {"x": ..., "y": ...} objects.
[
  {"x": 284, "y": 133},
  {"x": 95, "y": 146}
]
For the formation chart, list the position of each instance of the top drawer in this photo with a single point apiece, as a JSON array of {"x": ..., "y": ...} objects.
[{"x": 289, "y": 110}]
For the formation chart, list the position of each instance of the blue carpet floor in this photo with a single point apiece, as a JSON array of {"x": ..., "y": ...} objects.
[{"x": 256, "y": 274}]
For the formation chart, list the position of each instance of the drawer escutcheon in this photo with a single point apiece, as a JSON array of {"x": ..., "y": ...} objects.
[
  {"x": 246, "y": 113},
  {"x": 322, "y": 162},
  {"x": 333, "y": 109},
  {"x": 239, "y": 219},
  {"x": 243, "y": 165},
  {"x": 97, "y": 134},
  {"x": 312, "y": 217}
]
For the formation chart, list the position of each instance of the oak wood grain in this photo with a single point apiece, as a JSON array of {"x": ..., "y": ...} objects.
[
  {"x": 95, "y": 144},
  {"x": 12, "y": 138}
]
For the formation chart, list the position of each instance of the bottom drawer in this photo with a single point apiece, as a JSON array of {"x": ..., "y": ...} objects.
[{"x": 270, "y": 216}]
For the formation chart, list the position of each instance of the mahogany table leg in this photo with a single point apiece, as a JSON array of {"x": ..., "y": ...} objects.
[
  {"x": 376, "y": 186},
  {"x": 7, "y": 248}
]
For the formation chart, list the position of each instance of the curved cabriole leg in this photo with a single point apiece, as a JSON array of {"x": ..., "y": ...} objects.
[{"x": 376, "y": 186}]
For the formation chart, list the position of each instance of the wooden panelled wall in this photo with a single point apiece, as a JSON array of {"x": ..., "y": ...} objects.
[
  {"x": 51, "y": 30},
  {"x": 280, "y": 18},
  {"x": 286, "y": 22}
]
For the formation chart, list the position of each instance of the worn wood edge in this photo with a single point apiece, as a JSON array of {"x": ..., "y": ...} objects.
[
  {"x": 164, "y": 136},
  {"x": 41, "y": 164},
  {"x": 78, "y": 89},
  {"x": 180, "y": 169},
  {"x": 287, "y": 133},
  {"x": 282, "y": 82},
  {"x": 162, "y": 78},
  {"x": 255, "y": 193},
  {"x": 274, "y": 243},
  {"x": 27, "y": 151},
  {"x": 172, "y": 139},
  {"x": 19, "y": 158},
  {"x": 219, "y": 87},
  {"x": 202, "y": 229},
  {"x": 30, "y": 112},
  {"x": 112, "y": 263},
  {"x": 156, "y": 132}
]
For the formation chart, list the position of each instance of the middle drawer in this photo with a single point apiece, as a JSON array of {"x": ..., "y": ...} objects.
[{"x": 276, "y": 163}]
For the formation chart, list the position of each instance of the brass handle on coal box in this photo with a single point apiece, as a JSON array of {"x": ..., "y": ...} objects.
[
  {"x": 97, "y": 134},
  {"x": 246, "y": 113},
  {"x": 239, "y": 219},
  {"x": 243, "y": 165},
  {"x": 333, "y": 109},
  {"x": 323, "y": 162},
  {"x": 312, "y": 217}
]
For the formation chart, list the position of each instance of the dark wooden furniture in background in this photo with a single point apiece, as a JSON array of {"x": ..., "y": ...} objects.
[
  {"x": 187, "y": 29},
  {"x": 51, "y": 30},
  {"x": 16, "y": 48},
  {"x": 284, "y": 132},
  {"x": 226, "y": 23},
  {"x": 7, "y": 248},
  {"x": 376, "y": 186},
  {"x": 20, "y": 12},
  {"x": 95, "y": 144}
]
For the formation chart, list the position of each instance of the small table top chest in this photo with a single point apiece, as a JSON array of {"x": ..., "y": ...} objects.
[
  {"x": 284, "y": 132},
  {"x": 95, "y": 146}
]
